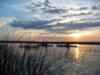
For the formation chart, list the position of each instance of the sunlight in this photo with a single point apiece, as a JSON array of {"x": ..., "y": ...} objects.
[
  {"x": 76, "y": 35},
  {"x": 77, "y": 52},
  {"x": 79, "y": 34}
]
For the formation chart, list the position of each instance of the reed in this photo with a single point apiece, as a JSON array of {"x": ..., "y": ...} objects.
[{"x": 16, "y": 60}]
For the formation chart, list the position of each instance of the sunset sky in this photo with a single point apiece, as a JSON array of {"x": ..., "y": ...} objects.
[{"x": 79, "y": 19}]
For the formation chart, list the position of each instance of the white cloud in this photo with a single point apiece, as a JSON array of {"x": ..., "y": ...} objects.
[{"x": 6, "y": 20}]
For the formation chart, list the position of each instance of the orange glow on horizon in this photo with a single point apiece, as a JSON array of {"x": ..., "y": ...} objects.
[{"x": 79, "y": 34}]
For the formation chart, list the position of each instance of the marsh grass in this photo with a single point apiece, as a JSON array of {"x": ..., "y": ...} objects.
[
  {"x": 23, "y": 60},
  {"x": 13, "y": 62},
  {"x": 20, "y": 61}
]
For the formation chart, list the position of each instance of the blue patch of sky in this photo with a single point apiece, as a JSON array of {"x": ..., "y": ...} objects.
[{"x": 6, "y": 11}]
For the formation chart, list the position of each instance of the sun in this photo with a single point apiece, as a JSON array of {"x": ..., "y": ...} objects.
[
  {"x": 79, "y": 34},
  {"x": 76, "y": 35}
]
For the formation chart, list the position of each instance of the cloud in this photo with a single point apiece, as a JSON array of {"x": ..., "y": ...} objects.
[
  {"x": 79, "y": 8},
  {"x": 45, "y": 7},
  {"x": 5, "y": 24},
  {"x": 97, "y": 7},
  {"x": 58, "y": 27},
  {"x": 78, "y": 14},
  {"x": 6, "y": 20},
  {"x": 50, "y": 9},
  {"x": 55, "y": 16},
  {"x": 55, "y": 11},
  {"x": 73, "y": 26},
  {"x": 35, "y": 24}
]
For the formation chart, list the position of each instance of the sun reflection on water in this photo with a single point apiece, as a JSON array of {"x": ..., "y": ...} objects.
[
  {"x": 77, "y": 52},
  {"x": 74, "y": 53}
]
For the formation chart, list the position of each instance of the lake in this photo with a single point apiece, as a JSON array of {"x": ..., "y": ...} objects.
[{"x": 80, "y": 60}]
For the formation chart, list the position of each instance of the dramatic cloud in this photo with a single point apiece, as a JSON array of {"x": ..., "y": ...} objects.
[
  {"x": 45, "y": 9},
  {"x": 50, "y": 27},
  {"x": 96, "y": 7},
  {"x": 30, "y": 24},
  {"x": 53, "y": 15},
  {"x": 79, "y": 14}
]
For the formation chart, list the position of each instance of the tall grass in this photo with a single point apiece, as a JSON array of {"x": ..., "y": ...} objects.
[
  {"x": 21, "y": 61},
  {"x": 13, "y": 62}
]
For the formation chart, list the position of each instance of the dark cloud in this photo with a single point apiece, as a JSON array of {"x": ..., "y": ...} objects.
[
  {"x": 82, "y": 25},
  {"x": 39, "y": 24},
  {"x": 79, "y": 14},
  {"x": 45, "y": 7},
  {"x": 83, "y": 8},
  {"x": 46, "y": 25},
  {"x": 55, "y": 11},
  {"x": 91, "y": 19},
  {"x": 47, "y": 3},
  {"x": 96, "y": 7},
  {"x": 73, "y": 26},
  {"x": 79, "y": 9}
]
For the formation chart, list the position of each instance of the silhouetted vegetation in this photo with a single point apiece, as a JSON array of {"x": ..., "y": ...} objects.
[
  {"x": 14, "y": 63},
  {"x": 29, "y": 59}
]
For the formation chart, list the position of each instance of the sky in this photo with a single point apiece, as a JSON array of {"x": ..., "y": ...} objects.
[{"x": 67, "y": 17}]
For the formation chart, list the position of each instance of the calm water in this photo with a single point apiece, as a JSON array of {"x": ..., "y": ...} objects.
[{"x": 80, "y": 60}]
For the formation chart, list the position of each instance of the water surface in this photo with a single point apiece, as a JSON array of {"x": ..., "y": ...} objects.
[{"x": 80, "y": 60}]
